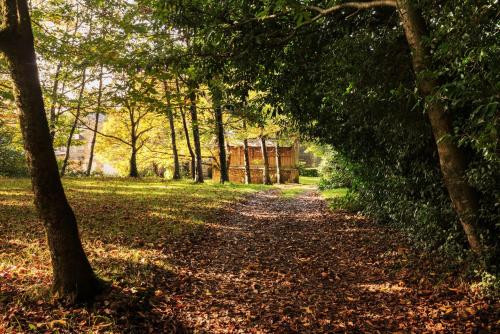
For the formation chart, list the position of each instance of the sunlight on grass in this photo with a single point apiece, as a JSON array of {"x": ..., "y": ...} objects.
[
  {"x": 330, "y": 194},
  {"x": 292, "y": 191},
  {"x": 309, "y": 180}
]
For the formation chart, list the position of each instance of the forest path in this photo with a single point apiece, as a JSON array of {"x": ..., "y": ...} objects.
[{"x": 290, "y": 265}]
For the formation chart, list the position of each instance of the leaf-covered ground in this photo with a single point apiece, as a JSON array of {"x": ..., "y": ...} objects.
[{"x": 225, "y": 259}]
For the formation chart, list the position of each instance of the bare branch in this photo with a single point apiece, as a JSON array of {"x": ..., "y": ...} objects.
[
  {"x": 356, "y": 5},
  {"x": 98, "y": 132}
]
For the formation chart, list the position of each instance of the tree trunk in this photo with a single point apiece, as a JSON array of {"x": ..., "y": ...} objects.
[
  {"x": 198, "y": 174},
  {"x": 451, "y": 158},
  {"x": 55, "y": 87},
  {"x": 266, "y": 178},
  {"x": 73, "y": 278},
  {"x": 228, "y": 156},
  {"x": 217, "y": 99},
  {"x": 278, "y": 160},
  {"x": 133, "y": 162},
  {"x": 75, "y": 123},
  {"x": 170, "y": 115},
  {"x": 96, "y": 123},
  {"x": 186, "y": 131},
  {"x": 248, "y": 175}
]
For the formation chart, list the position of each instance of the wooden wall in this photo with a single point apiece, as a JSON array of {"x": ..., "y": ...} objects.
[{"x": 236, "y": 157}]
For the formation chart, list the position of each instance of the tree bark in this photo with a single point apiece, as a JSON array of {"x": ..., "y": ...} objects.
[
  {"x": 52, "y": 112},
  {"x": 73, "y": 278},
  {"x": 186, "y": 131},
  {"x": 96, "y": 123},
  {"x": 451, "y": 158},
  {"x": 133, "y": 172},
  {"x": 266, "y": 177},
  {"x": 278, "y": 160},
  {"x": 248, "y": 175},
  {"x": 198, "y": 174},
  {"x": 219, "y": 123},
  {"x": 170, "y": 115},
  {"x": 75, "y": 123}
]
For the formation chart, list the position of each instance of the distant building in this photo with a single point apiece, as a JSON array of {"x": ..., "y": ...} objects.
[
  {"x": 79, "y": 153},
  {"x": 236, "y": 162}
]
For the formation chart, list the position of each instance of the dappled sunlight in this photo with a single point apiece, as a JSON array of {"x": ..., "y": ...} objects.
[{"x": 384, "y": 287}]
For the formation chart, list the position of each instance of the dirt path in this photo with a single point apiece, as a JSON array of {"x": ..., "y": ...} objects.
[{"x": 276, "y": 265}]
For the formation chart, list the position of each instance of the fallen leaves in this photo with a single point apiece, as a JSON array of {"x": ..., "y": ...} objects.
[{"x": 271, "y": 264}]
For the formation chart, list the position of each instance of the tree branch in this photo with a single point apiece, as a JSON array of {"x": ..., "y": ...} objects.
[
  {"x": 322, "y": 12},
  {"x": 98, "y": 132}
]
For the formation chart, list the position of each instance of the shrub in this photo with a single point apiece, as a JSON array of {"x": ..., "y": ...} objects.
[
  {"x": 312, "y": 172},
  {"x": 335, "y": 171}
]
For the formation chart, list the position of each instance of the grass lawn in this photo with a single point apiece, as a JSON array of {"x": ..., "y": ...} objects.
[
  {"x": 309, "y": 180},
  {"x": 124, "y": 226},
  {"x": 292, "y": 190},
  {"x": 330, "y": 194}
]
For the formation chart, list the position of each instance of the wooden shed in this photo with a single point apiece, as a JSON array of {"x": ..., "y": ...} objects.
[{"x": 236, "y": 162}]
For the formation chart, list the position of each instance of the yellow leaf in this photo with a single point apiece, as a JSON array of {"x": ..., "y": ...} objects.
[{"x": 55, "y": 323}]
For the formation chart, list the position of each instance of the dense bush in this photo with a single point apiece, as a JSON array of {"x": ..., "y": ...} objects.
[{"x": 335, "y": 171}]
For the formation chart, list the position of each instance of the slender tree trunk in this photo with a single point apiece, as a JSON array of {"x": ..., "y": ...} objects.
[
  {"x": 198, "y": 175},
  {"x": 75, "y": 123},
  {"x": 278, "y": 160},
  {"x": 53, "y": 104},
  {"x": 266, "y": 177},
  {"x": 186, "y": 131},
  {"x": 73, "y": 278},
  {"x": 133, "y": 163},
  {"x": 170, "y": 115},
  {"x": 248, "y": 175},
  {"x": 217, "y": 100},
  {"x": 451, "y": 158},
  {"x": 96, "y": 122},
  {"x": 60, "y": 103},
  {"x": 228, "y": 156}
]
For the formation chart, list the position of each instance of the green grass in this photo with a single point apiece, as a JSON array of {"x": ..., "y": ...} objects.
[
  {"x": 336, "y": 198},
  {"x": 330, "y": 194},
  {"x": 309, "y": 180},
  {"x": 292, "y": 190}
]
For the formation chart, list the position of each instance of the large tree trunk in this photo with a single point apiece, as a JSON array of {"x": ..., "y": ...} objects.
[
  {"x": 186, "y": 131},
  {"x": 451, "y": 158},
  {"x": 198, "y": 174},
  {"x": 170, "y": 115},
  {"x": 73, "y": 277},
  {"x": 96, "y": 122},
  {"x": 266, "y": 177},
  {"x": 75, "y": 123},
  {"x": 278, "y": 160},
  {"x": 246, "y": 157},
  {"x": 217, "y": 100}
]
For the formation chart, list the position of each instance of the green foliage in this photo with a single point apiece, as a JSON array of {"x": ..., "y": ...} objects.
[
  {"x": 307, "y": 171},
  {"x": 363, "y": 104},
  {"x": 12, "y": 160},
  {"x": 335, "y": 171},
  {"x": 342, "y": 199}
]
